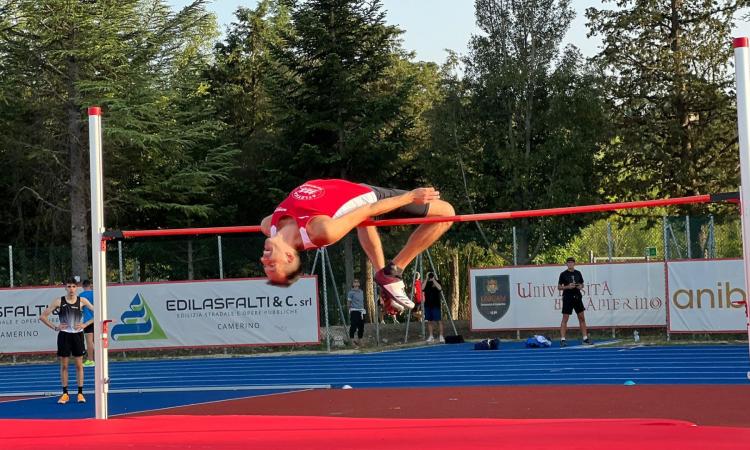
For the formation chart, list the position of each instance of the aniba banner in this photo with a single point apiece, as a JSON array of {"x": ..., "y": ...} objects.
[{"x": 706, "y": 296}]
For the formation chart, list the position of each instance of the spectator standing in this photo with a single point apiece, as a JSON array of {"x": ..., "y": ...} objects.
[
  {"x": 570, "y": 283},
  {"x": 355, "y": 302},
  {"x": 432, "y": 312},
  {"x": 88, "y": 317},
  {"x": 418, "y": 298}
]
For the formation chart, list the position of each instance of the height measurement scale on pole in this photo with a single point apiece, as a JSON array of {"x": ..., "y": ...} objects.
[
  {"x": 742, "y": 74},
  {"x": 99, "y": 260}
]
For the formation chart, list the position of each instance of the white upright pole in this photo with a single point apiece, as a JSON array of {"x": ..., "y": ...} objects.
[
  {"x": 221, "y": 257},
  {"x": 325, "y": 298},
  {"x": 742, "y": 74},
  {"x": 119, "y": 261},
  {"x": 10, "y": 264},
  {"x": 99, "y": 259}
]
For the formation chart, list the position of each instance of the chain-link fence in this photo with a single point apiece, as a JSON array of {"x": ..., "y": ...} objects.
[{"x": 237, "y": 256}]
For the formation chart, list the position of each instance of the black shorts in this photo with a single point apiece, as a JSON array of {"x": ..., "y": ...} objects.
[
  {"x": 89, "y": 329},
  {"x": 404, "y": 212},
  {"x": 70, "y": 344},
  {"x": 572, "y": 303},
  {"x": 432, "y": 314}
]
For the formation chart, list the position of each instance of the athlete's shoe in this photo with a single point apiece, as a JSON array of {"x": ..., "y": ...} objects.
[
  {"x": 430, "y": 339},
  {"x": 587, "y": 341},
  {"x": 441, "y": 339},
  {"x": 81, "y": 398},
  {"x": 389, "y": 308},
  {"x": 563, "y": 343},
  {"x": 63, "y": 399},
  {"x": 89, "y": 363},
  {"x": 392, "y": 286}
]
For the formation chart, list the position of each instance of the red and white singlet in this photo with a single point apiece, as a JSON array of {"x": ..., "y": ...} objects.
[{"x": 332, "y": 198}]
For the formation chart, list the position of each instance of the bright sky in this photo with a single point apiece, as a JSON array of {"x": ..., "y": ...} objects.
[{"x": 430, "y": 26}]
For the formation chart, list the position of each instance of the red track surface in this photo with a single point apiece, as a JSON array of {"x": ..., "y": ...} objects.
[
  {"x": 308, "y": 433},
  {"x": 513, "y": 417},
  {"x": 700, "y": 404}
]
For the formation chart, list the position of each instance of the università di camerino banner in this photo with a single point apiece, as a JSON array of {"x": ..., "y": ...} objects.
[
  {"x": 694, "y": 296},
  {"x": 528, "y": 297},
  {"x": 181, "y": 314}
]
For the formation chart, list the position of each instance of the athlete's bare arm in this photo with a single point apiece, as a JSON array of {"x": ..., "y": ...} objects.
[
  {"x": 86, "y": 304},
  {"x": 265, "y": 226},
  {"x": 45, "y": 315},
  {"x": 324, "y": 230}
]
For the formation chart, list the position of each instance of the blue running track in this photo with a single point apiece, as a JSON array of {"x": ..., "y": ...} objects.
[{"x": 219, "y": 379}]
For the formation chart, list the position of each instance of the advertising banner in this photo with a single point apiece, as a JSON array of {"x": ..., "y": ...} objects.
[
  {"x": 183, "y": 314},
  {"x": 705, "y": 296},
  {"x": 614, "y": 295},
  {"x": 20, "y": 328}
]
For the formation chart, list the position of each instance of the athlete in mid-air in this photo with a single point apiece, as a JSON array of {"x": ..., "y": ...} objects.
[{"x": 320, "y": 212}]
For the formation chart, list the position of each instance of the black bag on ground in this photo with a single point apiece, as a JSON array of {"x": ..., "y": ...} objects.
[{"x": 454, "y": 339}]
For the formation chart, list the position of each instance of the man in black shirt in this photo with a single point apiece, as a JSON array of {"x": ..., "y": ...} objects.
[{"x": 570, "y": 283}]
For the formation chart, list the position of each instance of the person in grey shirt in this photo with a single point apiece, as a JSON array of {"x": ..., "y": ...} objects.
[{"x": 355, "y": 301}]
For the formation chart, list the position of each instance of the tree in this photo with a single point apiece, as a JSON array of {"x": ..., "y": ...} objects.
[
  {"x": 537, "y": 116},
  {"x": 339, "y": 103},
  {"x": 144, "y": 64},
  {"x": 670, "y": 91},
  {"x": 350, "y": 99},
  {"x": 244, "y": 83}
]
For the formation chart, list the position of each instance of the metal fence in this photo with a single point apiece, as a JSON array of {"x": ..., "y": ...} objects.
[{"x": 237, "y": 256}]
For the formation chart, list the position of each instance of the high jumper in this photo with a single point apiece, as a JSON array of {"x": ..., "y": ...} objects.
[{"x": 319, "y": 213}]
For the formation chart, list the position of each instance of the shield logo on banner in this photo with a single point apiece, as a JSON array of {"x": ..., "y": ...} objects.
[{"x": 493, "y": 296}]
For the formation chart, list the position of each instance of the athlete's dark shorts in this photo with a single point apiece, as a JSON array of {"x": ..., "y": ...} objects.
[
  {"x": 89, "y": 329},
  {"x": 70, "y": 344},
  {"x": 572, "y": 303},
  {"x": 408, "y": 211},
  {"x": 432, "y": 314}
]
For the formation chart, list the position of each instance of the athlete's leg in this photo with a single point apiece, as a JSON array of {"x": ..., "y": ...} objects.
[
  {"x": 426, "y": 234},
  {"x": 390, "y": 277},
  {"x": 79, "y": 370},
  {"x": 369, "y": 239},
  {"x": 64, "y": 371},
  {"x": 564, "y": 326},
  {"x": 582, "y": 322},
  {"x": 90, "y": 346}
]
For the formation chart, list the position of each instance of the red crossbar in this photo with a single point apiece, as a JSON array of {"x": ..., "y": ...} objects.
[
  {"x": 183, "y": 231},
  {"x": 732, "y": 197},
  {"x": 545, "y": 212}
]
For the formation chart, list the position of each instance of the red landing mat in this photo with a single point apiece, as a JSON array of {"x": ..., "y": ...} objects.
[{"x": 291, "y": 432}]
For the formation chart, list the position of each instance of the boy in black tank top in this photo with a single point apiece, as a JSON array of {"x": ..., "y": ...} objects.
[{"x": 70, "y": 334}]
